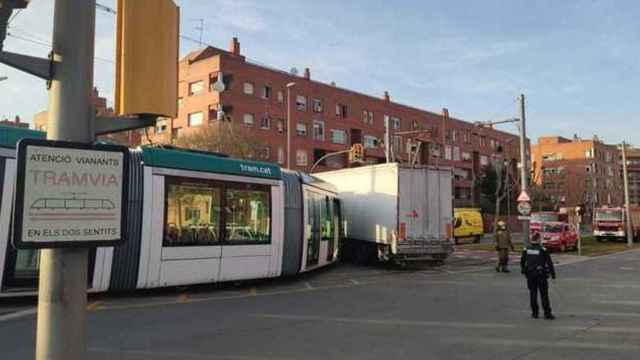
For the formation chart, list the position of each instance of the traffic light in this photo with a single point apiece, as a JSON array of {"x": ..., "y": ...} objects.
[
  {"x": 357, "y": 153},
  {"x": 147, "y": 57}
]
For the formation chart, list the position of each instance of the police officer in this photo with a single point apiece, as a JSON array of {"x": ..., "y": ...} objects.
[
  {"x": 503, "y": 245},
  {"x": 537, "y": 266}
]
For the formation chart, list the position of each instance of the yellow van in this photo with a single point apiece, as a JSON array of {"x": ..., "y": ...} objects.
[{"x": 467, "y": 223}]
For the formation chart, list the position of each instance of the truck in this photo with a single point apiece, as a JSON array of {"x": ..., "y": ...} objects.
[
  {"x": 395, "y": 212},
  {"x": 610, "y": 223}
]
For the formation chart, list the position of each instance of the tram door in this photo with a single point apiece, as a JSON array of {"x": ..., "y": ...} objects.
[
  {"x": 336, "y": 220},
  {"x": 313, "y": 224}
]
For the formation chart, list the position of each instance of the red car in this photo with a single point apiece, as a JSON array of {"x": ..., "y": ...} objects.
[{"x": 559, "y": 236}]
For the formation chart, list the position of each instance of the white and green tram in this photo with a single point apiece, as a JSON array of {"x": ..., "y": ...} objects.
[{"x": 193, "y": 218}]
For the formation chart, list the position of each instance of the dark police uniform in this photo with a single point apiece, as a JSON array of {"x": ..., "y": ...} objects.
[{"x": 537, "y": 266}]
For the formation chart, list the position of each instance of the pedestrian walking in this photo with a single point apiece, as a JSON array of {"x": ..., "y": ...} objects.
[
  {"x": 537, "y": 266},
  {"x": 503, "y": 245}
]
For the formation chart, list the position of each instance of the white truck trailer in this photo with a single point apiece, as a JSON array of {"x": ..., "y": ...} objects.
[{"x": 395, "y": 212}]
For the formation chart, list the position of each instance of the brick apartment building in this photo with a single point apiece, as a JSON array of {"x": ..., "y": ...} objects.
[
  {"x": 633, "y": 170},
  {"x": 324, "y": 118},
  {"x": 577, "y": 171},
  {"x": 130, "y": 138}
]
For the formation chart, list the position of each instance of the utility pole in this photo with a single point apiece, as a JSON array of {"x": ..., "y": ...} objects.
[
  {"x": 626, "y": 195},
  {"x": 524, "y": 168},
  {"x": 62, "y": 297}
]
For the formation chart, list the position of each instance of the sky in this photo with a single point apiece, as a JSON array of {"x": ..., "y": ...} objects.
[{"x": 577, "y": 62}]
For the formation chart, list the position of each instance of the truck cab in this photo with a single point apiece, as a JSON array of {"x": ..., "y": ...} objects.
[{"x": 609, "y": 223}]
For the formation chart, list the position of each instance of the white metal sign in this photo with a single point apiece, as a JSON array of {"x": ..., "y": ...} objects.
[
  {"x": 69, "y": 194},
  {"x": 524, "y": 197},
  {"x": 524, "y": 208}
]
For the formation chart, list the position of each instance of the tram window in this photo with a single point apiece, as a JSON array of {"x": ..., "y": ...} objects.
[
  {"x": 192, "y": 213},
  {"x": 93, "y": 204},
  {"x": 55, "y": 204},
  {"x": 326, "y": 218},
  {"x": 27, "y": 263},
  {"x": 75, "y": 204},
  {"x": 248, "y": 214}
]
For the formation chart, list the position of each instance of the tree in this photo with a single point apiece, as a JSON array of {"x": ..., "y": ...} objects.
[
  {"x": 225, "y": 137},
  {"x": 488, "y": 183}
]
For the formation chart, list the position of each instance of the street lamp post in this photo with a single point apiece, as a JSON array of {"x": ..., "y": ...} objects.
[
  {"x": 626, "y": 195},
  {"x": 289, "y": 86}
]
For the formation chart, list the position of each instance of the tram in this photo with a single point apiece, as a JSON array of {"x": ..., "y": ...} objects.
[{"x": 193, "y": 218}]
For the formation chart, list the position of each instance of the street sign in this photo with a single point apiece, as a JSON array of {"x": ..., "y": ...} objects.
[
  {"x": 524, "y": 197},
  {"x": 69, "y": 194},
  {"x": 524, "y": 208}
]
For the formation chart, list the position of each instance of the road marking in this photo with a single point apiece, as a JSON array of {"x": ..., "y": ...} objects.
[
  {"x": 308, "y": 286},
  {"x": 626, "y": 268},
  {"x": 18, "y": 314},
  {"x": 355, "y": 282},
  {"x": 540, "y": 344},
  {"x": 177, "y": 355},
  {"x": 619, "y": 302},
  {"x": 94, "y": 306},
  {"x": 391, "y": 322}
]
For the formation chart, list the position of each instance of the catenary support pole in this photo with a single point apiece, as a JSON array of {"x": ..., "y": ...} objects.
[
  {"x": 524, "y": 167},
  {"x": 62, "y": 294},
  {"x": 625, "y": 176}
]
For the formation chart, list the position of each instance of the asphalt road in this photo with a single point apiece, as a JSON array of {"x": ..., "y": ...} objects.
[{"x": 461, "y": 311}]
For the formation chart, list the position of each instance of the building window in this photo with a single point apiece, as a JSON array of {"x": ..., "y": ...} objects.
[
  {"x": 318, "y": 130},
  {"x": 265, "y": 154},
  {"x": 317, "y": 105},
  {"x": 247, "y": 213},
  {"x": 248, "y": 119},
  {"x": 161, "y": 126},
  {"x": 456, "y": 153},
  {"x": 265, "y": 122},
  {"x": 483, "y": 141},
  {"x": 552, "y": 157},
  {"x": 192, "y": 213},
  {"x": 367, "y": 117},
  {"x": 370, "y": 142},
  {"x": 454, "y": 135},
  {"x": 196, "y": 87},
  {"x": 280, "y": 155},
  {"x": 466, "y": 156},
  {"x": 280, "y": 125},
  {"x": 180, "y": 102},
  {"x": 266, "y": 92},
  {"x": 395, "y": 123},
  {"x": 280, "y": 97},
  {"x": 447, "y": 152},
  {"x": 248, "y": 88},
  {"x": 484, "y": 160},
  {"x": 195, "y": 119},
  {"x": 338, "y": 136},
  {"x": 301, "y": 158},
  {"x": 301, "y": 129},
  {"x": 397, "y": 144},
  {"x": 341, "y": 110},
  {"x": 301, "y": 103}
]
